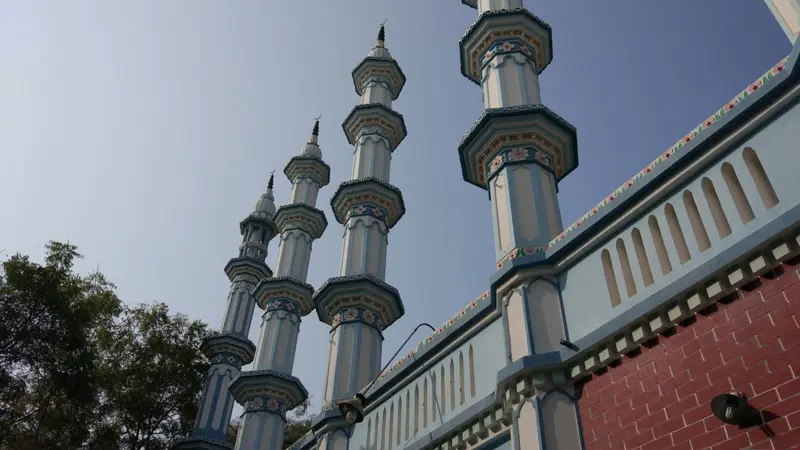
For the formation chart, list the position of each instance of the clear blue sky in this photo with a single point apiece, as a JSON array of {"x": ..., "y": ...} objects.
[{"x": 144, "y": 131}]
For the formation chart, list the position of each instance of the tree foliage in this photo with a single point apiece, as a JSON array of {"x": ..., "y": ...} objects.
[{"x": 81, "y": 370}]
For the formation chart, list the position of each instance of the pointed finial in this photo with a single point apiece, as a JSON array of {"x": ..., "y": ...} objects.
[
  {"x": 382, "y": 34},
  {"x": 315, "y": 131},
  {"x": 271, "y": 180}
]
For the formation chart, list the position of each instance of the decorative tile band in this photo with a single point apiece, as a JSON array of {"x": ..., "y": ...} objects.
[
  {"x": 349, "y": 315},
  {"x": 228, "y": 358},
  {"x": 452, "y": 321},
  {"x": 267, "y": 404},
  {"x": 519, "y": 155},
  {"x": 520, "y": 252},
  {"x": 507, "y": 47},
  {"x": 284, "y": 304},
  {"x": 777, "y": 69},
  {"x": 367, "y": 209}
]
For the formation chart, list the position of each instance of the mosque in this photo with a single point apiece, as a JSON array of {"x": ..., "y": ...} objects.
[{"x": 668, "y": 316}]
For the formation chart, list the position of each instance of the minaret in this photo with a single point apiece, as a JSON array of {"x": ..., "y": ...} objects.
[
  {"x": 359, "y": 304},
  {"x": 269, "y": 390},
  {"x": 519, "y": 150},
  {"x": 230, "y": 349}
]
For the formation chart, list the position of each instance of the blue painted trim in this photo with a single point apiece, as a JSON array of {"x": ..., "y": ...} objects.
[
  {"x": 496, "y": 441},
  {"x": 564, "y": 358},
  {"x": 454, "y": 423},
  {"x": 580, "y": 424},
  {"x": 356, "y": 353},
  {"x": 515, "y": 427},
  {"x": 540, "y": 420},
  {"x": 523, "y": 83},
  {"x": 557, "y": 285},
  {"x": 425, "y": 354},
  {"x": 791, "y": 73},
  {"x": 506, "y": 336},
  {"x": 751, "y": 106},
  {"x": 528, "y": 324},
  {"x": 489, "y": 15}
]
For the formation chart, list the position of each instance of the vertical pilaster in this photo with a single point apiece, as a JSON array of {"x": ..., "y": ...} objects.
[{"x": 269, "y": 390}]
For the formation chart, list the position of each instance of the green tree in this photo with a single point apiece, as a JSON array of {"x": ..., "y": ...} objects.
[
  {"x": 48, "y": 369},
  {"x": 81, "y": 370}
]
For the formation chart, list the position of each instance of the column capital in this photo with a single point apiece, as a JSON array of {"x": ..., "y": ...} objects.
[
  {"x": 228, "y": 348},
  {"x": 368, "y": 196},
  {"x": 378, "y": 302},
  {"x": 374, "y": 67},
  {"x": 248, "y": 266},
  {"x": 375, "y": 118},
  {"x": 309, "y": 166},
  {"x": 292, "y": 295},
  {"x": 303, "y": 217},
  {"x": 268, "y": 390},
  {"x": 503, "y": 31},
  {"x": 552, "y": 140}
]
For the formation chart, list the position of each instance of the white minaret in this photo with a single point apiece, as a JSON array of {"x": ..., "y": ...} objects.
[
  {"x": 269, "y": 390},
  {"x": 518, "y": 150},
  {"x": 230, "y": 349},
  {"x": 359, "y": 305}
]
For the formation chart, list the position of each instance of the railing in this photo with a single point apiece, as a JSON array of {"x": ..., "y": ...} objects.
[
  {"x": 454, "y": 382},
  {"x": 748, "y": 188}
]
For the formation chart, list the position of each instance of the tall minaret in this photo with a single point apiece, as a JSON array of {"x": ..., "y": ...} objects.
[
  {"x": 518, "y": 150},
  {"x": 269, "y": 390},
  {"x": 230, "y": 349},
  {"x": 359, "y": 305}
]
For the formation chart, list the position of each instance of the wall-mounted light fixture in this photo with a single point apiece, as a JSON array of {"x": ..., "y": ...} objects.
[
  {"x": 733, "y": 408},
  {"x": 352, "y": 409}
]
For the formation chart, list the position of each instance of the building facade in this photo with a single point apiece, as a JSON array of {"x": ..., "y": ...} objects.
[{"x": 692, "y": 337}]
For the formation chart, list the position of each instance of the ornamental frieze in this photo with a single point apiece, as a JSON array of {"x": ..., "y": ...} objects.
[{"x": 357, "y": 314}]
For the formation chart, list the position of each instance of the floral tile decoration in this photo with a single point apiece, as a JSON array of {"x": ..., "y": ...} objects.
[{"x": 777, "y": 69}]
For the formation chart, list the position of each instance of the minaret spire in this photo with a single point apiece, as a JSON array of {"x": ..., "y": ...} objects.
[
  {"x": 358, "y": 304},
  {"x": 230, "y": 349},
  {"x": 269, "y": 390},
  {"x": 518, "y": 150},
  {"x": 382, "y": 35}
]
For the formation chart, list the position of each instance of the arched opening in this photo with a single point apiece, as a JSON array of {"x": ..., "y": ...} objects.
[
  {"x": 677, "y": 234},
  {"x": 721, "y": 222},
  {"x": 416, "y": 409},
  {"x": 383, "y": 430},
  {"x": 658, "y": 242},
  {"x": 627, "y": 273},
  {"x": 369, "y": 433},
  {"x": 377, "y": 427},
  {"x": 611, "y": 280},
  {"x": 699, "y": 230},
  {"x": 391, "y": 425},
  {"x": 434, "y": 401},
  {"x": 471, "y": 372},
  {"x": 425, "y": 404},
  {"x": 408, "y": 414},
  {"x": 399, "y": 419},
  {"x": 444, "y": 392},
  {"x": 759, "y": 176},
  {"x": 641, "y": 257},
  {"x": 737, "y": 192},
  {"x": 461, "y": 391},
  {"x": 452, "y": 385}
]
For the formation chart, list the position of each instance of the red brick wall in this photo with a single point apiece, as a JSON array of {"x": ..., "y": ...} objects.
[{"x": 659, "y": 396}]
